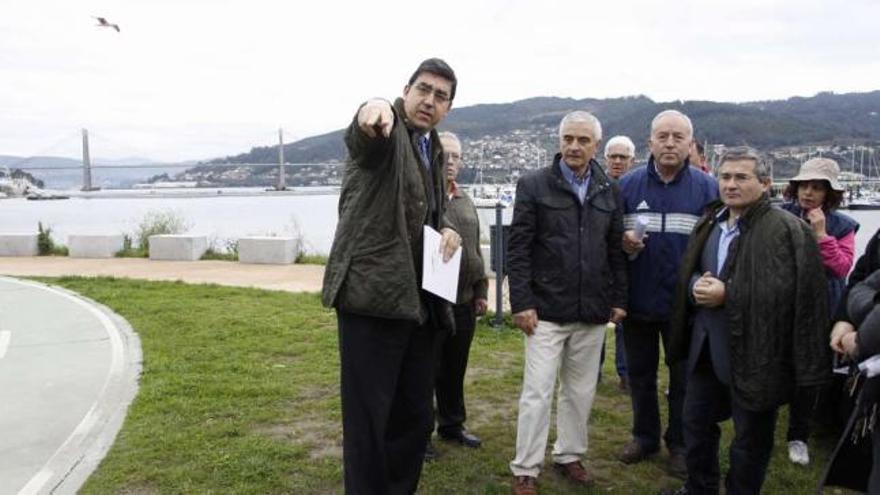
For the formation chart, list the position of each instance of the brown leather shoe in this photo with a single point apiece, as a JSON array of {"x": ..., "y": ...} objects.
[
  {"x": 574, "y": 472},
  {"x": 633, "y": 452},
  {"x": 525, "y": 485}
]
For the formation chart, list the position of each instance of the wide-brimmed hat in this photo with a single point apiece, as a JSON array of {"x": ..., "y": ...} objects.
[{"x": 819, "y": 169}]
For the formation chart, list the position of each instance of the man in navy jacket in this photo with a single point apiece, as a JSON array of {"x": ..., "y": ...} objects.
[{"x": 668, "y": 196}]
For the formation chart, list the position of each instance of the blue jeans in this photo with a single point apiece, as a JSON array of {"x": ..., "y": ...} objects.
[
  {"x": 707, "y": 403},
  {"x": 642, "y": 358}
]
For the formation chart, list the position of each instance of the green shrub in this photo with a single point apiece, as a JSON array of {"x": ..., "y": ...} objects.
[
  {"x": 159, "y": 222},
  {"x": 311, "y": 259},
  {"x": 45, "y": 245}
]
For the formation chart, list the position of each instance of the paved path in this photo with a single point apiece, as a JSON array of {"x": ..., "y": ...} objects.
[
  {"x": 68, "y": 370},
  {"x": 295, "y": 278}
]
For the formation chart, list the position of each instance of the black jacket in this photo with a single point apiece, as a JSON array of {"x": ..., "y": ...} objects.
[
  {"x": 865, "y": 313},
  {"x": 775, "y": 305},
  {"x": 867, "y": 264},
  {"x": 565, "y": 259}
]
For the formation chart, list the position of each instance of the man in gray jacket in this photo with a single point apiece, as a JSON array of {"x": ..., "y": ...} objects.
[
  {"x": 452, "y": 349},
  {"x": 393, "y": 187}
]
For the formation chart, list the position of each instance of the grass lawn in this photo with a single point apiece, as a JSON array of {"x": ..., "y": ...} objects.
[{"x": 240, "y": 395}]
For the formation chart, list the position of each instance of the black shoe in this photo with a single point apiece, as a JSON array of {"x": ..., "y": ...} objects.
[
  {"x": 430, "y": 452},
  {"x": 463, "y": 437},
  {"x": 678, "y": 464},
  {"x": 633, "y": 453}
]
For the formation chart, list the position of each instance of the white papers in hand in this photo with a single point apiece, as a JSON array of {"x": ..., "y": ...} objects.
[
  {"x": 438, "y": 277},
  {"x": 641, "y": 227},
  {"x": 639, "y": 232},
  {"x": 871, "y": 365}
]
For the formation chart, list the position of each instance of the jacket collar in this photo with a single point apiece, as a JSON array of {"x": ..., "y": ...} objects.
[
  {"x": 436, "y": 149},
  {"x": 654, "y": 174},
  {"x": 452, "y": 189},
  {"x": 747, "y": 219},
  {"x": 598, "y": 178}
]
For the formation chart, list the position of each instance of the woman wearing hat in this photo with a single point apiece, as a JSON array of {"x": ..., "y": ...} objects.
[{"x": 814, "y": 195}]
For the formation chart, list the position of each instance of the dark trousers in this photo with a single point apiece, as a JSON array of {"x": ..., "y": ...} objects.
[
  {"x": 800, "y": 412},
  {"x": 386, "y": 372},
  {"x": 874, "y": 478},
  {"x": 642, "y": 358},
  {"x": 619, "y": 352},
  {"x": 709, "y": 402},
  {"x": 451, "y": 351}
]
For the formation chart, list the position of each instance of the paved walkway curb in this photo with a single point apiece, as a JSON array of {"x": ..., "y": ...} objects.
[{"x": 76, "y": 458}]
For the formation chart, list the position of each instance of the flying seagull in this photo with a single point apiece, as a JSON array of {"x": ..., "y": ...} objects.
[{"x": 103, "y": 23}]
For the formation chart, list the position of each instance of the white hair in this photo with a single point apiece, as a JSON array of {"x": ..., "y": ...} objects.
[
  {"x": 676, "y": 113},
  {"x": 449, "y": 135},
  {"x": 621, "y": 141},
  {"x": 581, "y": 116}
]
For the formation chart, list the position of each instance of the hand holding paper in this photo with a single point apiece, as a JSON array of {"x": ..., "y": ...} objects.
[
  {"x": 633, "y": 240},
  {"x": 438, "y": 276}
]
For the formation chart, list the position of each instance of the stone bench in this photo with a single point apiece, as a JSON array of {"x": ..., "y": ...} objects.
[
  {"x": 268, "y": 250},
  {"x": 177, "y": 247},
  {"x": 18, "y": 245},
  {"x": 94, "y": 246}
]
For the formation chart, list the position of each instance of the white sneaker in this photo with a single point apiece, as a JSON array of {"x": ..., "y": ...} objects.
[{"x": 798, "y": 452}]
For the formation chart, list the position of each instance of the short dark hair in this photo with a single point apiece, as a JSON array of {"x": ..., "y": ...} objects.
[
  {"x": 437, "y": 67},
  {"x": 832, "y": 201},
  {"x": 739, "y": 153},
  {"x": 701, "y": 150}
]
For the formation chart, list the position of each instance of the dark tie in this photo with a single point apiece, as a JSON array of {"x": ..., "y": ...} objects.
[{"x": 424, "y": 150}]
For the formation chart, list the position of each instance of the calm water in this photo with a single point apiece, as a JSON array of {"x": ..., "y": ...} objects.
[
  {"x": 222, "y": 218},
  {"x": 219, "y": 218}
]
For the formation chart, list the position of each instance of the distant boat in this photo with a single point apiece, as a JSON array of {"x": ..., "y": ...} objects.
[{"x": 44, "y": 197}]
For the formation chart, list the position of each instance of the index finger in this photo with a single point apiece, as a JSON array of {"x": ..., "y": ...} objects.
[{"x": 368, "y": 123}]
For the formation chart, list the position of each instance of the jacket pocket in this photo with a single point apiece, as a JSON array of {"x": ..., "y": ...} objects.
[{"x": 380, "y": 282}]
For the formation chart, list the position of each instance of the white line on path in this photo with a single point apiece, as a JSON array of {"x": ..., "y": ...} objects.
[
  {"x": 116, "y": 368},
  {"x": 36, "y": 483},
  {"x": 5, "y": 337}
]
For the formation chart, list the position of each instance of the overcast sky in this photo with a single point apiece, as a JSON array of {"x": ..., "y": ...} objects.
[{"x": 196, "y": 79}]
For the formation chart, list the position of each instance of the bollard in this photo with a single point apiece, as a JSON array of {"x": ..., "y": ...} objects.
[{"x": 499, "y": 265}]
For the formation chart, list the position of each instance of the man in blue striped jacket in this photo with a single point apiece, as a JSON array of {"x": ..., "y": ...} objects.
[{"x": 664, "y": 199}]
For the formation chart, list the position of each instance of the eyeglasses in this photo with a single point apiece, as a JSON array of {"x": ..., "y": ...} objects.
[
  {"x": 618, "y": 157},
  {"x": 425, "y": 90}
]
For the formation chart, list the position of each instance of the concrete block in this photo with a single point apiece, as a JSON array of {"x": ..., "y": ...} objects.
[
  {"x": 94, "y": 246},
  {"x": 268, "y": 250},
  {"x": 18, "y": 245},
  {"x": 177, "y": 247}
]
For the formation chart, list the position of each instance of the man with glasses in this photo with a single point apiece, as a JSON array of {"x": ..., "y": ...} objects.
[
  {"x": 620, "y": 155},
  {"x": 751, "y": 322},
  {"x": 665, "y": 198},
  {"x": 393, "y": 187},
  {"x": 452, "y": 349}
]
